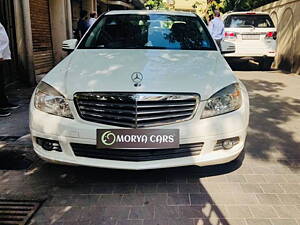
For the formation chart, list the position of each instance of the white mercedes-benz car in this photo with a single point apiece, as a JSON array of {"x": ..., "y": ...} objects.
[
  {"x": 142, "y": 90},
  {"x": 254, "y": 36}
]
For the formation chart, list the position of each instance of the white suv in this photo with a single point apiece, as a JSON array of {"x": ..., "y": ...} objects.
[
  {"x": 254, "y": 36},
  {"x": 142, "y": 90}
]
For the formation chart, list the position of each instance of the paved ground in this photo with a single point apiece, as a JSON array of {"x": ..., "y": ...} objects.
[{"x": 264, "y": 190}]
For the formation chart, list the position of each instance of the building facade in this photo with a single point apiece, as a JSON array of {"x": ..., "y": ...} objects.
[{"x": 37, "y": 28}]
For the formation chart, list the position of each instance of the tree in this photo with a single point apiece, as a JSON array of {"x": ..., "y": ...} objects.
[
  {"x": 156, "y": 4},
  {"x": 213, "y": 5},
  {"x": 201, "y": 7},
  {"x": 244, "y": 5}
]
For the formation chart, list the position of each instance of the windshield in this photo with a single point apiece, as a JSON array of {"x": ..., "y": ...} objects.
[
  {"x": 154, "y": 31},
  {"x": 241, "y": 21}
]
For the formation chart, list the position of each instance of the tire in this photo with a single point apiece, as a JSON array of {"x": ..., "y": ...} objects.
[{"x": 265, "y": 64}]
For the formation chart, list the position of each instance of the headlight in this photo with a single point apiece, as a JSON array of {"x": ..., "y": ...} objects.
[
  {"x": 49, "y": 100},
  {"x": 224, "y": 101}
]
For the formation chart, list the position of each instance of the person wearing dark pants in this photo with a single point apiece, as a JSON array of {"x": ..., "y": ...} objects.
[
  {"x": 216, "y": 29},
  {"x": 5, "y": 55}
]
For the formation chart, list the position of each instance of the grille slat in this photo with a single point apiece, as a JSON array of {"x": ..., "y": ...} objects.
[
  {"x": 171, "y": 104},
  {"x": 107, "y": 105},
  {"x": 136, "y": 110},
  {"x": 136, "y": 155},
  {"x": 108, "y": 110},
  {"x": 163, "y": 116},
  {"x": 110, "y": 122},
  {"x": 163, "y": 110},
  {"x": 109, "y": 116}
]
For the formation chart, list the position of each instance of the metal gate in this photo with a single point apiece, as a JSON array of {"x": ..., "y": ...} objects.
[{"x": 43, "y": 57}]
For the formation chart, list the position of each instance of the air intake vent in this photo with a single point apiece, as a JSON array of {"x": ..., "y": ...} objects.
[{"x": 136, "y": 155}]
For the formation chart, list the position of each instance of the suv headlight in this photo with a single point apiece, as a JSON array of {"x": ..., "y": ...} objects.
[
  {"x": 224, "y": 101},
  {"x": 49, "y": 100}
]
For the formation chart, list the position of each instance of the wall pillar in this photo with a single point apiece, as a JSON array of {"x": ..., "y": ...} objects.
[
  {"x": 24, "y": 40},
  {"x": 69, "y": 28},
  {"x": 59, "y": 24}
]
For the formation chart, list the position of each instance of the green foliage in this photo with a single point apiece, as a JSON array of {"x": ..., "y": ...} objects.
[
  {"x": 156, "y": 4},
  {"x": 213, "y": 5},
  {"x": 200, "y": 6},
  {"x": 244, "y": 5}
]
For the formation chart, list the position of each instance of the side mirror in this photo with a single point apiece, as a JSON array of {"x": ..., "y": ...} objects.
[
  {"x": 69, "y": 45},
  {"x": 227, "y": 47}
]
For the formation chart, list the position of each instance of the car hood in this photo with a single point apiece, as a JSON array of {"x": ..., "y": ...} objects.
[{"x": 110, "y": 70}]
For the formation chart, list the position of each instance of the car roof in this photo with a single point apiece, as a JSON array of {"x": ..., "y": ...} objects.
[
  {"x": 246, "y": 13},
  {"x": 149, "y": 12}
]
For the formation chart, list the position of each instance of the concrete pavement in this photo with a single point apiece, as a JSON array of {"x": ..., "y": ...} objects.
[{"x": 264, "y": 190}]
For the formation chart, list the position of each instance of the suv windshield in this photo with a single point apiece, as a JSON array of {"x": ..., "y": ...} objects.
[
  {"x": 241, "y": 21},
  {"x": 154, "y": 31}
]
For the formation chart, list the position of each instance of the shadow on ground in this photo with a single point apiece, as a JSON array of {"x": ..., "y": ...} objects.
[
  {"x": 247, "y": 65},
  {"x": 243, "y": 65},
  {"x": 174, "y": 196},
  {"x": 269, "y": 136},
  {"x": 81, "y": 195}
]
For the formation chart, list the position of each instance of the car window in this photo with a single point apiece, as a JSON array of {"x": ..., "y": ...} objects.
[
  {"x": 153, "y": 31},
  {"x": 240, "y": 21}
]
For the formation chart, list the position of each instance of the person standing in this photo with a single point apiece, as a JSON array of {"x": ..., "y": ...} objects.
[
  {"x": 216, "y": 28},
  {"x": 82, "y": 25},
  {"x": 93, "y": 18},
  {"x": 210, "y": 18},
  {"x": 4, "y": 56}
]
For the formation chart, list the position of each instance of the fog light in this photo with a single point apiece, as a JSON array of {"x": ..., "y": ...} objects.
[
  {"x": 227, "y": 143},
  {"x": 48, "y": 145}
]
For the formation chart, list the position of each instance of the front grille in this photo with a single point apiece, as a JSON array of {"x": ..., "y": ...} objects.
[
  {"x": 136, "y": 110},
  {"x": 136, "y": 155}
]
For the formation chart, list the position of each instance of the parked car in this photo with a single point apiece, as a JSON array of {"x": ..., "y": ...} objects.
[
  {"x": 142, "y": 90},
  {"x": 254, "y": 35}
]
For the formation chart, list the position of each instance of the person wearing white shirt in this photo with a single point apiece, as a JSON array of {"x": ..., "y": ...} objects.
[
  {"x": 93, "y": 18},
  {"x": 4, "y": 56},
  {"x": 216, "y": 28}
]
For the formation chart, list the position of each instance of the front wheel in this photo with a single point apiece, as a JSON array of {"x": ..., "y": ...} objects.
[{"x": 265, "y": 64}]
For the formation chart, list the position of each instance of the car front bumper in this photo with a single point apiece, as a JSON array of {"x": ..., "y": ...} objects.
[{"x": 208, "y": 131}]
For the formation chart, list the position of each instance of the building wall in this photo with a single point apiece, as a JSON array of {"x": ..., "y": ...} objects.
[
  {"x": 195, "y": 6},
  {"x": 43, "y": 54},
  {"x": 61, "y": 29},
  {"x": 24, "y": 41},
  {"x": 286, "y": 16},
  {"x": 61, "y": 26}
]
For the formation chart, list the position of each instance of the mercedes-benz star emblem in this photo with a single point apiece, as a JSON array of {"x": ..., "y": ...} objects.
[{"x": 137, "y": 78}]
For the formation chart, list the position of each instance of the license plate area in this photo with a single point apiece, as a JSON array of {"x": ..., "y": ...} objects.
[
  {"x": 137, "y": 138},
  {"x": 250, "y": 36}
]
